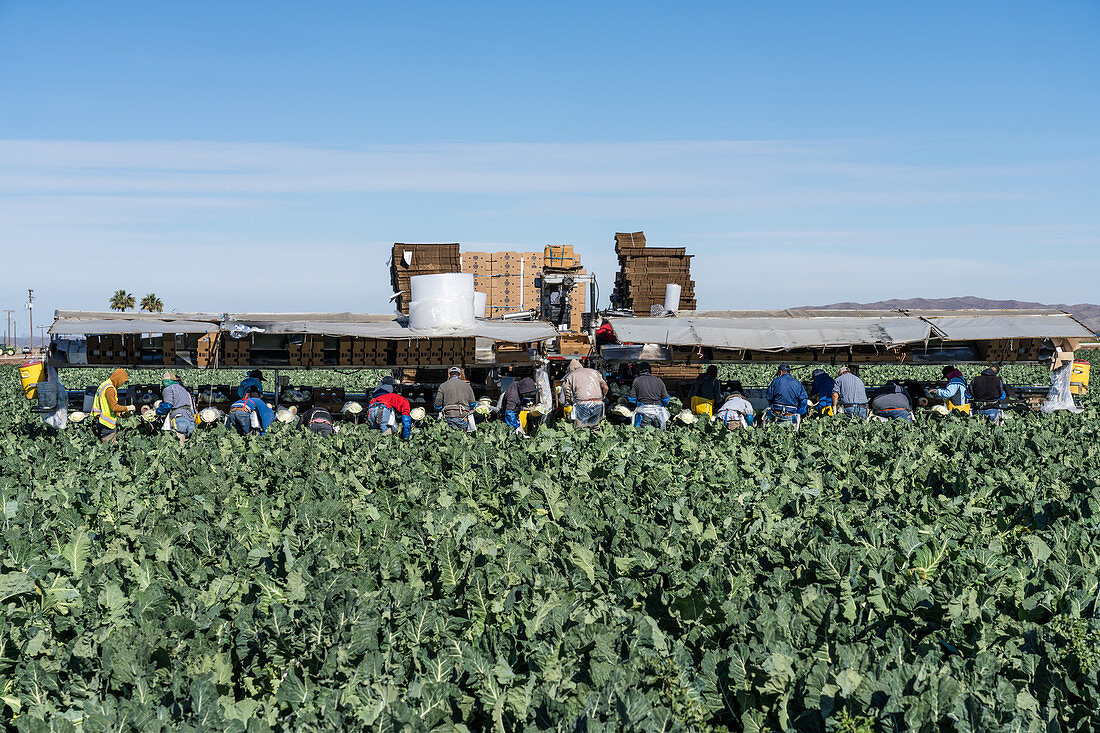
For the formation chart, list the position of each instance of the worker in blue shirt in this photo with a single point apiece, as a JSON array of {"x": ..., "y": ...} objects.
[
  {"x": 241, "y": 413},
  {"x": 255, "y": 380},
  {"x": 821, "y": 389},
  {"x": 787, "y": 399},
  {"x": 955, "y": 391}
]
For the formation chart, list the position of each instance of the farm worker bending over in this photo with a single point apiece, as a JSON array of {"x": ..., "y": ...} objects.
[
  {"x": 455, "y": 400},
  {"x": 177, "y": 406},
  {"x": 519, "y": 395},
  {"x": 736, "y": 411},
  {"x": 892, "y": 402},
  {"x": 955, "y": 391},
  {"x": 250, "y": 415},
  {"x": 255, "y": 380},
  {"x": 706, "y": 392},
  {"x": 787, "y": 399},
  {"x": 651, "y": 398},
  {"x": 821, "y": 389},
  {"x": 583, "y": 389},
  {"x": 105, "y": 407},
  {"x": 384, "y": 407},
  {"x": 319, "y": 420},
  {"x": 986, "y": 392},
  {"x": 850, "y": 394}
]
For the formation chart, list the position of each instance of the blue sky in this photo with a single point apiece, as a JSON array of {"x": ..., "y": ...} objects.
[{"x": 234, "y": 156}]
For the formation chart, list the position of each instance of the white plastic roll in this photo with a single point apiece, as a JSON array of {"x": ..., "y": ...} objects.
[
  {"x": 441, "y": 301},
  {"x": 481, "y": 300},
  {"x": 672, "y": 297}
]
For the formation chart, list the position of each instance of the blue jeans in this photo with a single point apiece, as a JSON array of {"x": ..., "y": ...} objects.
[
  {"x": 896, "y": 415},
  {"x": 992, "y": 415},
  {"x": 241, "y": 420},
  {"x": 184, "y": 423},
  {"x": 460, "y": 423},
  {"x": 379, "y": 417},
  {"x": 854, "y": 411},
  {"x": 588, "y": 413}
]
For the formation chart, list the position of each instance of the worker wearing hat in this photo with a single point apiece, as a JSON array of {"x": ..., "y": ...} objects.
[
  {"x": 850, "y": 394},
  {"x": 787, "y": 398},
  {"x": 177, "y": 406},
  {"x": 955, "y": 392},
  {"x": 250, "y": 415},
  {"x": 821, "y": 389},
  {"x": 385, "y": 406},
  {"x": 584, "y": 390},
  {"x": 455, "y": 401},
  {"x": 106, "y": 409},
  {"x": 255, "y": 379},
  {"x": 650, "y": 397}
]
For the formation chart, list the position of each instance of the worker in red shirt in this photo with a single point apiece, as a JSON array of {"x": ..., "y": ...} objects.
[{"x": 384, "y": 407}]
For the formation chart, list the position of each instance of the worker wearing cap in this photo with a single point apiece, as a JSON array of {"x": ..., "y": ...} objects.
[
  {"x": 106, "y": 409},
  {"x": 584, "y": 389},
  {"x": 520, "y": 394},
  {"x": 255, "y": 380},
  {"x": 455, "y": 401},
  {"x": 787, "y": 398},
  {"x": 650, "y": 397},
  {"x": 318, "y": 420},
  {"x": 850, "y": 394},
  {"x": 250, "y": 415},
  {"x": 385, "y": 406},
  {"x": 177, "y": 406},
  {"x": 736, "y": 411},
  {"x": 955, "y": 392},
  {"x": 821, "y": 389}
]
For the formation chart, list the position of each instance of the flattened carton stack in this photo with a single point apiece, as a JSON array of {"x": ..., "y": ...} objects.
[
  {"x": 645, "y": 271},
  {"x": 424, "y": 259},
  {"x": 508, "y": 279}
]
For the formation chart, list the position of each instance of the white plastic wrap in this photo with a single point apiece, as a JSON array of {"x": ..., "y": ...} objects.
[
  {"x": 481, "y": 300},
  {"x": 672, "y": 297},
  {"x": 1059, "y": 397},
  {"x": 441, "y": 301}
]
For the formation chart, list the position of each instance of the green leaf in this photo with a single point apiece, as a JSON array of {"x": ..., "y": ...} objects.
[{"x": 76, "y": 552}]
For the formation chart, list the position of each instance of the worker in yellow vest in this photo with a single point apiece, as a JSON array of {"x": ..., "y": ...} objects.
[{"x": 106, "y": 409}]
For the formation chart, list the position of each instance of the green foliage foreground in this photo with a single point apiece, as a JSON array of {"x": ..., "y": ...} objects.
[{"x": 844, "y": 578}]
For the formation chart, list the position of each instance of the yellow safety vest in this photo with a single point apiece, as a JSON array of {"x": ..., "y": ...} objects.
[{"x": 102, "y": 409}]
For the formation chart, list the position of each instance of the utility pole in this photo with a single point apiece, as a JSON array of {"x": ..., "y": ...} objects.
[
  {"x": 42, "y": 335},
  {"x": 9, "y": 311},
  {"x": 30, "y": 314}
]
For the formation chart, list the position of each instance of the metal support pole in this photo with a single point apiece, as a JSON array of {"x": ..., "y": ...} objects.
[{"x": 276, "y": 389}]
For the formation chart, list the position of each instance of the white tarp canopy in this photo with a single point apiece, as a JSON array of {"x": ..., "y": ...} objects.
[
  {"x": 366, "y": 325},
  {"x": 83, "y": 322},
  {"x": 772, "y": 333},
  {"x": 398, "y": 329},
  {"x": 1008, "y": 325},
  {"x": 795, "y": 329}
]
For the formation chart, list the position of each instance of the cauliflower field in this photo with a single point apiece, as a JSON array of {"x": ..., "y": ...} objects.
[{"x": 847, "y": 577}]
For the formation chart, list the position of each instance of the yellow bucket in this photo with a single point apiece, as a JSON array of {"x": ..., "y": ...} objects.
[
  {"x": 1079, "y": 380},
  {"x": 30, "y": 374},
  {"x": 568, "y": 409},
  {"x": 958, "y": 408},
  {"x": 699, "y": 406}
]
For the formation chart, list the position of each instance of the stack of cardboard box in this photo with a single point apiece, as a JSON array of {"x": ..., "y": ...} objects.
[
  {"x": 113, "y": 349},
  {"x": 238, "y": 351},
  {"x": 435, "y": 352},
  {"x": 309, "y": 352},
  {"x": 645, "y": 271},
  {"x": 423, "y": 259},
  {"x": 508, "y": 279},
  {"x": 206, "y": 353}
]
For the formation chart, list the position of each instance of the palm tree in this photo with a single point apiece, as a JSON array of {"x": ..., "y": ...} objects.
[
  {"x": 121, "y": 301},
  {"x": 152, "y": 304}
]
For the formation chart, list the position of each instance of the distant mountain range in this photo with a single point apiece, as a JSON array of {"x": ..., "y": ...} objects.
[{"x": 1087, "y": 313}]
